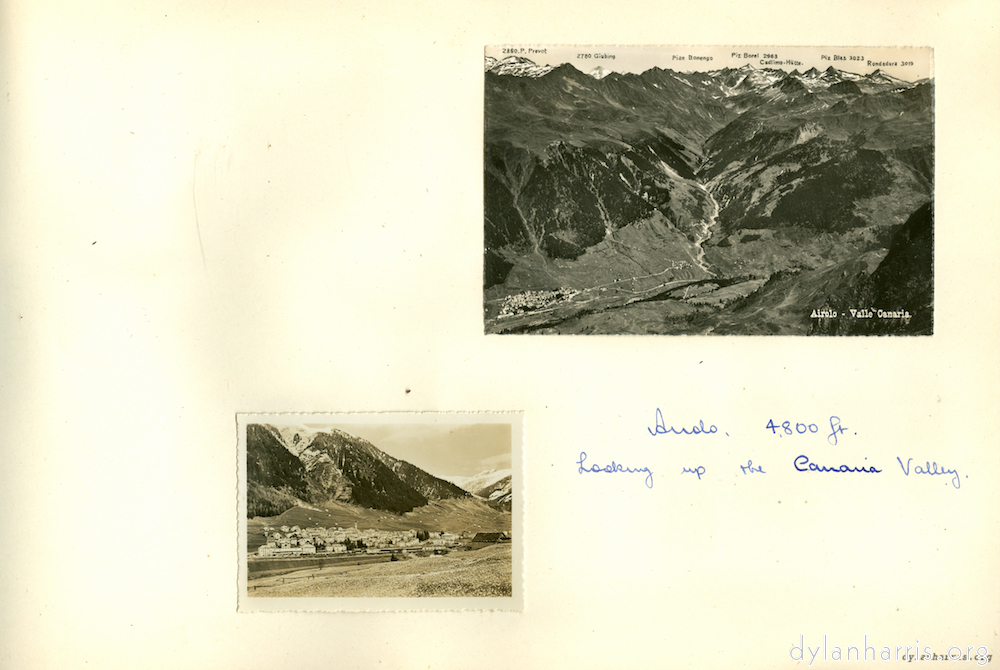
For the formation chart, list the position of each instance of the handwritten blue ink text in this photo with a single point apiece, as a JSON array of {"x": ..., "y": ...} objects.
[
  {"x": 698, "y": 429},
  {"x": 930, "y": 469},
  {"x": 835, "y": 430},
  {"x": 800, "y": 428},
  {"x": 751, "y": 468},
  {"x": 785, "y": 428},
  {"x": 807, "y": 466},
  {"x": 614, "y": 467},
  {"x": 694, "y": 471}
]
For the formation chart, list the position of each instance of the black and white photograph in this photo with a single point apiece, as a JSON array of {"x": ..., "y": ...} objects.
[
  {"x": 381, "y": 506},
  {"x": 709, "y": 190}
]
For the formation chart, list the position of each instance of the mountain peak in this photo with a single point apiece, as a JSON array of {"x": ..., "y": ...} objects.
[
  {"x": 790, "y": 85},
  {"x": 492, "y": 485},
  {"x": 332, "y": 465},
  {"x": 517, "y": 66},
  {"x": 599, "y": 72},
  {"x": 477, "y": 482},
  {"x": 565, "y": 67},
  {"x": 880, "y": 77}
]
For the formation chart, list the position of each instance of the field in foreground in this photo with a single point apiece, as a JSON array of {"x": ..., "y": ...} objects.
[{"x": 484, "y": 573}]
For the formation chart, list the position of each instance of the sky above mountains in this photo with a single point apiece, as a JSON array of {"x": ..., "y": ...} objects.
[{"x": 907, "y": 63}]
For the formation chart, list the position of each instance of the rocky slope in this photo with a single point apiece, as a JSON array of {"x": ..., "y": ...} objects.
[
  {"x": 902, "y": 282},
  {"x": 498, "y": 494},
  {"x": 333, "y": 466}
]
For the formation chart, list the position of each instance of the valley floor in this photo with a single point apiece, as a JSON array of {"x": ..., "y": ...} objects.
[
  {"x": 483, "y": 573},
  {"x": 768, "y": 285}
]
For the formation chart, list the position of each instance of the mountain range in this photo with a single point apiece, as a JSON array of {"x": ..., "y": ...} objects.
[
  {"x": 300, "y": 466},
  {"x": 476, "y": 482},
  {"x": 671, "y": 202},
  {"x": 493, "y": 486}
]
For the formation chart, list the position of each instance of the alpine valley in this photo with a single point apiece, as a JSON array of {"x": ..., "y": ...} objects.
[
  {"x": 297, "y": 475},
  {"x": 735, "y": 201}
]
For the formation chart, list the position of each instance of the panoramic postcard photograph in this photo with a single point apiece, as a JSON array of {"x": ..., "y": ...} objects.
[
  {"x": 708, "y": 190},
  {"x": 381, "y": 506}
]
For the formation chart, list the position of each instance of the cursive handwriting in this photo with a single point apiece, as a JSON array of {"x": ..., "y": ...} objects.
[
  {"x": 835, "y": 430},
  {"x": 813, "y": 467},
  {"x": 661, "y": 428},
  {"x": 930, "y": 469},
  {"x": 695, "y": 471},
  {"x": 614, "y": 467},
  {"x": 751, "y": 468}
]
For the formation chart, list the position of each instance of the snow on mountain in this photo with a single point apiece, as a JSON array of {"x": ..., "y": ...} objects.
[
  {"x": 757, "y": 79},
  {"x": 296, "y": 437},
  {"x": 831, "y": 74},
  {"x": 879, "y": 77},
  {"x": 683, "y": 81},
  {"x": 499, "y": 494},
  {"x": 753, "y": 79},
  {"x": 731, "y": 81},
  {"x": 772, "y": 82},
  {"x": 599, "y": 72},
  {"x": 478, "y": 481},
  {"x": 494, "y": 486},
  {"x": 517, "y": 66}
]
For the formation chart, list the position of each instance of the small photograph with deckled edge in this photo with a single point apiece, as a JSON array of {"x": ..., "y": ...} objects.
[
  {"x": 361, "y": 506},
  {"x": 708, "y": 190}
]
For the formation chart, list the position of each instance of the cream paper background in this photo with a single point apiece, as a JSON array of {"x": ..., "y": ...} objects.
[{"x": 221, "y": 207}]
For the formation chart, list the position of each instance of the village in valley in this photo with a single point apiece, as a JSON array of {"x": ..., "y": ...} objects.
[
  {"x": 292, "y": 541},
  {"x": 331, "y": 515}
]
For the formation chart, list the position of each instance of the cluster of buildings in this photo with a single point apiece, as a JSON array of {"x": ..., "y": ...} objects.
[
  {"x": 296, "y": 541},
  {"x": 532, "y": 300}
]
